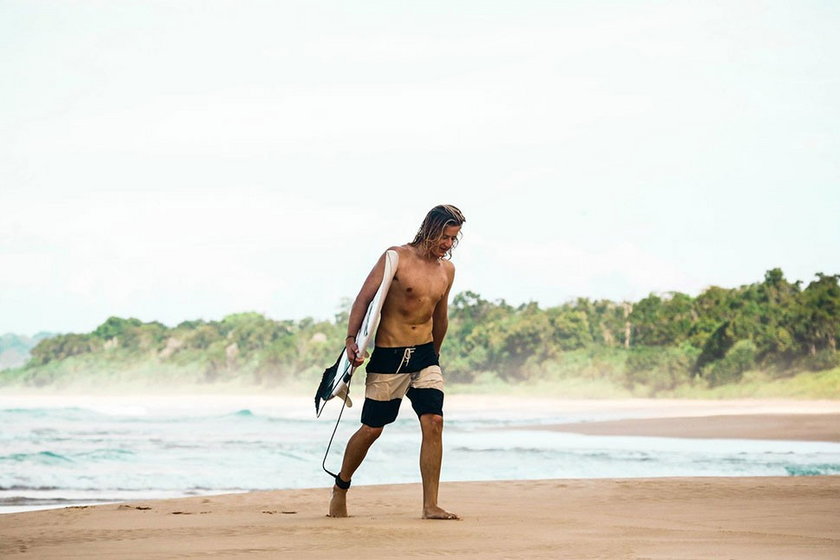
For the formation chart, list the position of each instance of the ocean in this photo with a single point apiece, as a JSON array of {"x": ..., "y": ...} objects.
[{"x": 71, "y": 450}]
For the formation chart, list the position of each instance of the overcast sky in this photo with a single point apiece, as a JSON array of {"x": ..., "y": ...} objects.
[{"x": 184, "y": 160}]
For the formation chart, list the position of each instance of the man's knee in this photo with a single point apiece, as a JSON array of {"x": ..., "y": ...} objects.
[
  {"x": 371, "y": 433},
  {"x": 432, "y": 422}
]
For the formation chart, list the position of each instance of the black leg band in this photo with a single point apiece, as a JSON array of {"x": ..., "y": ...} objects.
[{"x": 340, "y": 483}]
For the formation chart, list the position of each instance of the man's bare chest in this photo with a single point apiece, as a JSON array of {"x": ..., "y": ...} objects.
[{"x": 420, "y": 282}]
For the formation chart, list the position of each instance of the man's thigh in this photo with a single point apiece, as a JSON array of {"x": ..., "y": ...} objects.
[
  {"x": 426, "y": 391},
  {"x": 383, "y": 395}
]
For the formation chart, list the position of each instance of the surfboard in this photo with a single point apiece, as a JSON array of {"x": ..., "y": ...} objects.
[{"x": 336, "y": 379}]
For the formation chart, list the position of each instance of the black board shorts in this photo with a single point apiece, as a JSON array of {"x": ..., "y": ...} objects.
[{"x": 395, "y": 372}]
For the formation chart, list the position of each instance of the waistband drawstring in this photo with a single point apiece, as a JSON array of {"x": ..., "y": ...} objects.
[{"x": 406, "y": 357}]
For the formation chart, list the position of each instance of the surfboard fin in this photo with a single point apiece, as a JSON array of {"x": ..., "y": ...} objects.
[{"x": 343, "y": 394}]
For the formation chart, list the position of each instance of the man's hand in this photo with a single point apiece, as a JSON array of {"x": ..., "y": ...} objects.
[{"x": 353, "y": 354}]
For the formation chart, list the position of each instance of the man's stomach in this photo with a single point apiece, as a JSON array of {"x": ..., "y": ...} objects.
[{"x": 390, "y": 335}]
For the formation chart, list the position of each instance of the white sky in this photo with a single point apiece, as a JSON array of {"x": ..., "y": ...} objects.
[{"x": 183, "y": 160}]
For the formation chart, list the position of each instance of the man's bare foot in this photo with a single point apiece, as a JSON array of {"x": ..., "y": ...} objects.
[
  {"x": 338, "y": 503},
  {"x": 438, "y": 513}
]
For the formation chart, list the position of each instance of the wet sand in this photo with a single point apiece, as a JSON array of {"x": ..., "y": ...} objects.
[
  {"x": 802, "y": 427},
  {"x": 675, "y": 518}
]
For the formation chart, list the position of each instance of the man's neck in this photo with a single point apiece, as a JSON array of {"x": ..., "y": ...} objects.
[{"x": 425, "y": 255}]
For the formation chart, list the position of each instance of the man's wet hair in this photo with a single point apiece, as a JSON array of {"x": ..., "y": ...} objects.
[{"x": 433, "y": 225}]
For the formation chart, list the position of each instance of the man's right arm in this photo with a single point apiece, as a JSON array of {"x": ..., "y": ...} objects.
[{"x": 359, "y": 308}]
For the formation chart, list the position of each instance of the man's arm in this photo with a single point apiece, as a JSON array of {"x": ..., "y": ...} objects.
[{"x": 440, "y": 316}]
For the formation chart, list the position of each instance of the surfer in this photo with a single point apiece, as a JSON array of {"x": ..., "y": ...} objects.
[{"x": 405, "y": 357}]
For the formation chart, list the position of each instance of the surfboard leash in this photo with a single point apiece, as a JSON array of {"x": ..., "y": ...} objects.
[
  {"x": 335, "y": 429},
  {"x": 404, "y": 361}
]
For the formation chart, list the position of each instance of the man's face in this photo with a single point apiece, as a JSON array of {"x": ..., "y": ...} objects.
[{"x": 446, "y": 240}]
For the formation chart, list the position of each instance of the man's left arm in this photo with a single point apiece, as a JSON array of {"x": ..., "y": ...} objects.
[{"x": 440, "y": 318}]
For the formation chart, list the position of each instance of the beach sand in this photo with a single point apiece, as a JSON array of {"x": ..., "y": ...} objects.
[
  {"x": 802, "y": 427},
  {"x": 677, "y": 518},
  {"x": 666, "y": 518}
]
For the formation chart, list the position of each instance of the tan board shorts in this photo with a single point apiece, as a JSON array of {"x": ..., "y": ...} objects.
[{"x": 389, "y": 386}]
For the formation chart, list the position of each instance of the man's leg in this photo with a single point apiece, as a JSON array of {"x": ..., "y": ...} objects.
[
  {"x": 354, "y": 454},
  {"x": 431, "y": 455}
]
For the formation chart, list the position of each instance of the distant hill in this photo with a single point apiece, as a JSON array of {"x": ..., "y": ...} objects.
[{"x": 15, "y": 348}]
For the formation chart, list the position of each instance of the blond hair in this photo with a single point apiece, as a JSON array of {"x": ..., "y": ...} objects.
[{"x": 431, "y": 230}]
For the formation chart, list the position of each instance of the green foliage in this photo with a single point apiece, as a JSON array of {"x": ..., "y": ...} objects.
[
  {"x": 115, "y": 327},
  {"x": 662, "y": 322},
  {"x": 664, "y": 344},
  {"x": 660, "y": 369},
  {"x": 61, "y": 347},
  {"x": 738, "y": 359},
  {"x": 822, "y": 360},
  {"x": 569, "y": 329},
  {"x": 818, "y": 315}
]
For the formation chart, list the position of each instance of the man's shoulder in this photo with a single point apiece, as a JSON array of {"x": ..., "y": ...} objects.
[
  {"x": 404, "y": 252},
  {"x": 449, "y": 267},
  {"x": 398, "y": 249}
]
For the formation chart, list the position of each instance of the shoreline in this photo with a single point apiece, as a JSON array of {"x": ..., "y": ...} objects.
[
  {"x": 676, "y": 518},
  {"x": 455, "y": 402},
  {"x": 781, "y": 420}
]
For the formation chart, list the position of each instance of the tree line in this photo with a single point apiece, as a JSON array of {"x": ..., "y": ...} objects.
[{"x": 660, "y": 342}]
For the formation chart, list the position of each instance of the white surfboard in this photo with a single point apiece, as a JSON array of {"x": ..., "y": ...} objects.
[{"x": 336, "y": 380}]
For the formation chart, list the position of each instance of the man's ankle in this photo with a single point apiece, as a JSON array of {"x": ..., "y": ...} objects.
[{"x": 340, "y": 483}]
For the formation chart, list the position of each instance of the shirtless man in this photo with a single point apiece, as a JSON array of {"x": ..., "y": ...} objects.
[{"x": 405, "y": 358}]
